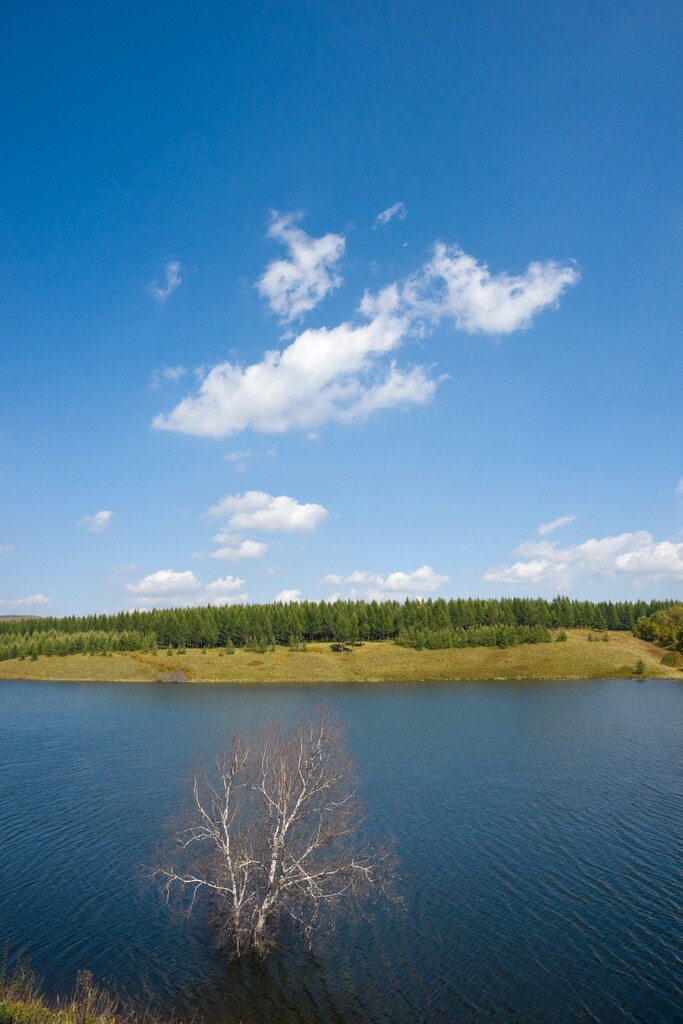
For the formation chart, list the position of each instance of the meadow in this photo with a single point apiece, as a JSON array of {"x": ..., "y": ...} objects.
[{"x": 603, "y": 656}]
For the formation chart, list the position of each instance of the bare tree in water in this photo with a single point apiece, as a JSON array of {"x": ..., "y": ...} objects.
[{"x": 272, "y": 837}]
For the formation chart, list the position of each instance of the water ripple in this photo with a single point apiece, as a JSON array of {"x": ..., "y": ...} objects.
[{"x": 539, "y": 829}]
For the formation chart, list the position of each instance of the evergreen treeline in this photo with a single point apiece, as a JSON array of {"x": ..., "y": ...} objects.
[
  {"x": 475, "y": 636},
  {"x": 310, "y": 621},
  {"x": 54, "y": 642}
]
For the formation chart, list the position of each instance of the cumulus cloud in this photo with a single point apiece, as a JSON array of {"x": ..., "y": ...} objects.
[
  {"x": 546, "y": 528},
  {"x": 99, "y": 523},
  {"x": 455, "y": 285},
  {"x": 324, "y": 375},
  {"x": 168, "y": 587},
  {"x": 628, "y": 554},
  {"x": 347, "y": 372},
  {"x": 295, "y": 285},
  {"x": 397, "y": 586},
  {"x": 245, "y": 550},
  {"x": 161, "y": 292},
  {"x": 288, "y": 596},
  {"x": 6, "y": 548},
  {"x": 168, "y": 373},
  {"x": 398, "y": 210},
  {"x": 256, "y": 510},
  {"x": 20, "y": 603}
]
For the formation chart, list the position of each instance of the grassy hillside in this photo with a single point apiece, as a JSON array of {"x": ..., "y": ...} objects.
[{"x": 374, "y": 662}]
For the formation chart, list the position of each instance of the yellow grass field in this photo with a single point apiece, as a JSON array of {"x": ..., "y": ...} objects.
[{"x": 374, "y": 662}]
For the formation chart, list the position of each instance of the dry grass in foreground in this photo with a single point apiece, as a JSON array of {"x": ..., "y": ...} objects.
[
  {"x": 21, "y": 1002},
  {"x": 373, "y": 662}
]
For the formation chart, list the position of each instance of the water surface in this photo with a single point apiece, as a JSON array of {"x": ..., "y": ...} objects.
[{"x": 538, "y": 827}]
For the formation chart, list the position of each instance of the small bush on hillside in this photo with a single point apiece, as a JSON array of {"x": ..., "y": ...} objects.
[
  {"x": 672, "y": 659},
  {"x": 172, "y": 677}
]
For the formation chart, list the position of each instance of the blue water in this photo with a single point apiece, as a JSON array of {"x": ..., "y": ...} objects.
[{"x": 539, "y": 829}]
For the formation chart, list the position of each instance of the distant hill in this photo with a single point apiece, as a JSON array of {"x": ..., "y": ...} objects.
[{"x": 18, "y": 618}]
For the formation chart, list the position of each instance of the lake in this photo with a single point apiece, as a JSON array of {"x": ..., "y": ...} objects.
[{"x": 538, "y": 826}]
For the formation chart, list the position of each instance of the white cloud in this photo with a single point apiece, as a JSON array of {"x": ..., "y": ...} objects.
[
  {"x": 256, "y": 510},
  {"x": 99, "y": 523},
  {"x": 295, "y": 285},
  {"x": 397, "y": 210},
  {"x": 245, "y": 550},
  {"x": 288, "y": 596},
  {"x": 345, "y": 373},
  {"x": 19, "y": 603},
  {"x": 165, "y": 582},
  {"x": 396, "y": 586},
  {"x": 168, "y": 587},
  {"x": 161, "y": 292},
  {"x": 168, "y": 373},
  {"x": 6, "y": 548},
  {"x": 679, "y": 488},
  {"x": 454, "y": 284},
  {"x": 546, "y": 528},
  {"x": 324, "y": 375},
  {"x": 628, "y": 554}
]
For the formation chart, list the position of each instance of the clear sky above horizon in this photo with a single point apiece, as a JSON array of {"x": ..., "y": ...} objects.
[{"x": 301, "y": 300}]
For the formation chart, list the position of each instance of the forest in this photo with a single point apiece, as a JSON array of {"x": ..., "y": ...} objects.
[{"x": 440, "y": 623}]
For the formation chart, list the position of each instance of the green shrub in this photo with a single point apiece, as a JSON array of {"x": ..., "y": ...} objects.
[{"x": 672, "y": 659}]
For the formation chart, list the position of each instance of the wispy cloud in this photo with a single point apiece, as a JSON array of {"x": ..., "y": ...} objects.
[
  {"x": 99, "y": 523},
  {"x": 455, "y": 285},
  {"x": 288, "y": 596},
  {"x": 6, "y": 548},
  {"x": 296, "y": 285},
  {"x": 345, "y": 373},
  {"x": 241, "y": 459},
  {"x": 397, "y": 586},
  {"x": 117, "y": 573},
  {"x": 256, "y": 510},
  {"x": 166, "y": 587},
  {"x": 637, "y": 554},
  {"x": 398, "y": 210},
  {"x": 168, "y": 373},
  {"x": 546, "y": 528},
  {"x": 161, "y": 292},
  {"x": 679, "y": 488},
  {"x": 20, "y": 604}
]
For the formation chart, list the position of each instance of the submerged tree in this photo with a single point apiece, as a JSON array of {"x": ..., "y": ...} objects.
[{"x": 271, "y": 837}]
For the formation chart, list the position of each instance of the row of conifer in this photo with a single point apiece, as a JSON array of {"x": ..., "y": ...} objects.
[{"x": 311, "y": 621}]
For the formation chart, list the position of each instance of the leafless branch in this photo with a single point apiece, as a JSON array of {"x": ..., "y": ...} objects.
[{"x": 274, "y": 833}]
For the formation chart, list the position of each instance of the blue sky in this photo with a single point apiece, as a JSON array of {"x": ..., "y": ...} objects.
[{"x": 312, "y": 299}]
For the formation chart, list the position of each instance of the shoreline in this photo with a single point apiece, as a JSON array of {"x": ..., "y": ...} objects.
[{"x": 379, "y": 662}]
